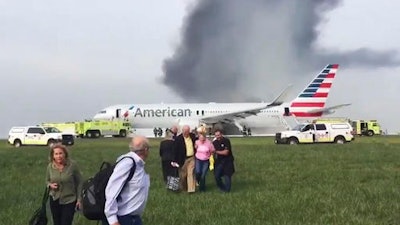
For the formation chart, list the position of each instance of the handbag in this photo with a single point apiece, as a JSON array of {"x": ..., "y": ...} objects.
[
  {"x": 40, "y": 217},
  {"x": 173, "y": 182}
]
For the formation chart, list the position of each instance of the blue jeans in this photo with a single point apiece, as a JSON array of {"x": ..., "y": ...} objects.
[
  {"x": 127, "y": 220},
  {"x": 201, "y": 168},
  {"x": 219, "y": 174}
]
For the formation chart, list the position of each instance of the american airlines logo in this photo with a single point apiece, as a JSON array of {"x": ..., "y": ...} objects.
[{"x": 168, "y": 112}]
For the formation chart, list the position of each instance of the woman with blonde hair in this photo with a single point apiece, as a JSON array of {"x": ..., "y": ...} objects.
[
  {"x": 204, "y": 150},
  {"x": 64, "y": 179}
]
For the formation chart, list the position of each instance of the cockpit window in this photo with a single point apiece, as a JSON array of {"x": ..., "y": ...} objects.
[{"x": 103, "y": 112}]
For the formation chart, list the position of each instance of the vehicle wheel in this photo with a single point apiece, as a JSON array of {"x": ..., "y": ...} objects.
[
  {"x": 340, "y": 140},
  {"x": 122, "y": 133},
  {"x": 293, "y": 141},
  {"x": 370, "y": 133},
  {"x": 96, "y": 134},
  {"x": 51, "y": 142},
  {"x": 17, "y": 143},
  {"x": 89, "y": 134}
]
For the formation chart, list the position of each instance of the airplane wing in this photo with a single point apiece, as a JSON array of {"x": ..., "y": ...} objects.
[
  {"x": 281, "y": 98},
  {"x": 241, "y": 114},
  {"x": 231, "y": 117},
  {"x": 329, "y": 110}
]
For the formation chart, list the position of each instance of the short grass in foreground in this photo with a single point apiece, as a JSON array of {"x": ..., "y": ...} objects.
[{"x": 356, "y": 183}]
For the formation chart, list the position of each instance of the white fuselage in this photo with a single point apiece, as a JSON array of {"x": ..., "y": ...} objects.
[{"x": 167, "y": 115}]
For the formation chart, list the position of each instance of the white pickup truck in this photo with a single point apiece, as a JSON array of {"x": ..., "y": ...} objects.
[
  {"x": 321, "y": 132},
  {"x": 38, "y": 135}
]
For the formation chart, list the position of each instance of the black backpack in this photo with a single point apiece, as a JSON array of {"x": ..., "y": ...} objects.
[{"x": 93, "y": 190}]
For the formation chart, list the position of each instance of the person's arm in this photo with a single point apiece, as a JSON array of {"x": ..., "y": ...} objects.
[
  {"x": 222, "y": 152},
  {"x": 195, "y": 140},
  {"x": 48, "y": 176},
  {"x": 114, "y": 188},
  {"x": 78, "y": 183},
  {"x": 212, "y": 148},
  {"x": 161, "y": 148},
  {"x": 227, "y": 148},
  {"x": 48, "y": 179},
  {"x": 178, "y": 150}
]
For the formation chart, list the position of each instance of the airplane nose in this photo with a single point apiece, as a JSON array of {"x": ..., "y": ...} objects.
[
  {"x": 102, "y": 117},
  {"x": 97, "y": 117}
]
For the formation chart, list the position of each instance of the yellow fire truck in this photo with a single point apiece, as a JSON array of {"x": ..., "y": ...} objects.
[
  {"x": 94, "y": 128},
  {"x": 366, "y": 127}
]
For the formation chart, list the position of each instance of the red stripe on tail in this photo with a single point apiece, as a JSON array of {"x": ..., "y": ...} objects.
[
  {"x": 325, "y": 85},
  {"x": 330, "y": 75},
  {"x": 308, "y": 104},
  {"x": 320, "y": 95},
  {"x": 306, "y": 114}
]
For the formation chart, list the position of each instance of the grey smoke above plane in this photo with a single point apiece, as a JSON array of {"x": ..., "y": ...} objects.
[{"x": 231, "y": 50}]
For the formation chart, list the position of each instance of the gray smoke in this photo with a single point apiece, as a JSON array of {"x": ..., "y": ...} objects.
[{"x": 232, "y": 50}]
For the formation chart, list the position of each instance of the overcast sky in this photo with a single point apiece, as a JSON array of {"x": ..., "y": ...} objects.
[{"x": 66, "y": 60}]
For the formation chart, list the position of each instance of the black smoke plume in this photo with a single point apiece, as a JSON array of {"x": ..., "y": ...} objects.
[{"x": 232, "y": 50}]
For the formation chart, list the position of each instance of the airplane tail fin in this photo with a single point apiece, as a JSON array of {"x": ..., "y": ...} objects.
[{"x": 311, "y": 101}]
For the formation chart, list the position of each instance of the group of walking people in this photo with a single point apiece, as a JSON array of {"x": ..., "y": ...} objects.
[
  {"x": 185, "y": 155},
  {"x": 188, "y": 154}
]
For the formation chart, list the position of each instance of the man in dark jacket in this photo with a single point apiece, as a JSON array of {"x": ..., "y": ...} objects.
[
  {"x": 223, "y": 167},
  {"x": 184, "y": 156}
]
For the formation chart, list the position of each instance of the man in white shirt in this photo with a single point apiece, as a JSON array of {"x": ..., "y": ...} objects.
[{"x": 125, "y": 204}]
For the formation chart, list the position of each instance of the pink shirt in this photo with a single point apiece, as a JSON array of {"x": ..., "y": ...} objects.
[{"x": 204, "y": 150}]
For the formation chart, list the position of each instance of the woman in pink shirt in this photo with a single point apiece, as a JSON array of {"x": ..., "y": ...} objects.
[{"x": 204, "y": 149}]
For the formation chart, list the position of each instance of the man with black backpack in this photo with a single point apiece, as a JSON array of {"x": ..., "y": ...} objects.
[{"x": 125, "y": 201}]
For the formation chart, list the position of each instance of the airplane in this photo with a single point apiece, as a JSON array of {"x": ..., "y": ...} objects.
[{"x": 309, "y": 104}]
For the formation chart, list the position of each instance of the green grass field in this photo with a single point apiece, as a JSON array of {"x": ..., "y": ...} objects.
[{"x": 355, "y": 183}]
